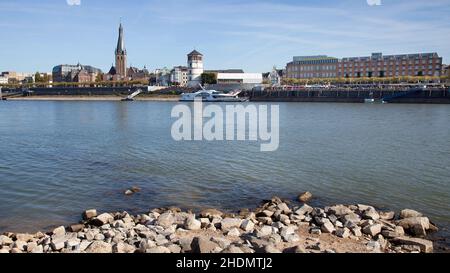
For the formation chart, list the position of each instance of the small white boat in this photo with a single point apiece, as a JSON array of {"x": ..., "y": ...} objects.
[
  {"x": 213, "y": 96},
  {"x": 369, "y": 100}
]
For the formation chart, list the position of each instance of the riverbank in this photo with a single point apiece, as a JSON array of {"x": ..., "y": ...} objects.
[
  {"x": 276, "y": 226},
  {"x": 94, "y": 98}
]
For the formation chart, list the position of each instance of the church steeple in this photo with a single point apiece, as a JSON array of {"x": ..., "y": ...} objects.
[
  {"x": 120, "y": 49},
  {"x": 121, "y": 55}
]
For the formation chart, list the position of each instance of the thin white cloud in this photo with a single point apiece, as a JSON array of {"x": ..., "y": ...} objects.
[{"x": 73, "y": 2}]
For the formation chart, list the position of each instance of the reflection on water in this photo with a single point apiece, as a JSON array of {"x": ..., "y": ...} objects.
[{"x": 60, "y": 158}]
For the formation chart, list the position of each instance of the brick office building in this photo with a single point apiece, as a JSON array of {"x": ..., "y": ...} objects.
[{"x": 376, "y": 65}]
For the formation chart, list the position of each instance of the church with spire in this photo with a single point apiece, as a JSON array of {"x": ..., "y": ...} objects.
[
  {"x": 120, "y": 72},
  {"x": 121, "y": 56}
]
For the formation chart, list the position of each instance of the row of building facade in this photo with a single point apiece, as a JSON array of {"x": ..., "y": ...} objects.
[
  {"x": 13, "y": 77},
  {"x": 301, "y": 67},
  {"x": 376, "y": 65}
]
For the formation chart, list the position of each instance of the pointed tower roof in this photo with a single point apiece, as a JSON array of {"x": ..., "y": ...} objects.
[
  {"x": 120, "y": 42},
  {"x": 195, "y": 53}
]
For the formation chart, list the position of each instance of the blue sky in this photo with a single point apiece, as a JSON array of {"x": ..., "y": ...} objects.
[{"x": 253, "y": 35}]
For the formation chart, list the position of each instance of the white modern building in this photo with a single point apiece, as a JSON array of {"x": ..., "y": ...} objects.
[
  {"x": 3, "y": 80},
  {"x": 179, "y": 75},
  {"x": 195, "y": 68},
  {"x": 239, "y": 78}
]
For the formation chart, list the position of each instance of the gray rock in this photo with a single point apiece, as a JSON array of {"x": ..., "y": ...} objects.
[
  {"x": 31, "y": 246},
  {"x": 271, "y": 249},
  {"x": 339, "y": 224},
  {"x": 340, "y": 210},
  {"x": 232, "y": 249},
  {"x": 102, "y": 219},
  {"x": 303, "y": 210},
  {"x": 327, "y": 227},
  {"x": 408, "y": 213},
  {"x": 161, "y": 240},
  {"x": 158, "y": 250},
  {"x": 186, "y": 244},
  {"x": 265, "y": 231},
  {"x": 99, "y": 247},
  {"x": 211, "y": 213},
  {"x": 305, "y": 197},
  {"x": 174, "y": 248},
  {"x": 129, "y": 192},
  {"x": 265, "y": 220},
  {"x": 192, "y": 224},
  {"x": 275, "y": 238},
  {"x": 363, "y": 208},
  {"x": 415, "y": 225},
  {"x": 58, "y": 244},
  {"x": 397, "y": 232},
  {"x": 350, "y": 224},
  {"x": 291, "y": 238},
  {"x": 321, "y": 220},
  {"x": 300, "y": 249},
  {"x": 166, "y": 220},
  {"x": 234, "y": 232},
  {"x": 387, "y": 215},
  {"x": 426, "y": 246},
  {"x": 222, "y": 242},
  {"x": 72, "y": 243},
  {"x": 76, "y": 227},
  {"x": 288, "y": 230},
  {"x": 146, "y": 244},
  {"x": 203, "y": 245},
  {"x": 266, "y": 213},
  {"x": 372, "y": 230},
  {"x": 122, "y": 247},
  {"x": 411, "y": 248},
  {"x": 89, "y": 214},
  {"x": 84, "y": 245},
  {"x": 204, "y": 222},
  {"x": 357, "y": 231},
  {"x": 371, "y": 213},
  {"x": 284, "y": 208},
  {"x": 315, "y": 231},
  {"x": 343, "y": 232},
  {"x": 278, "y": 225},
  {"x": 24, "y": 237},
  {"x": 59, "y": 231},
  {"x": 247, "y": 225},
  {"x": 229, "y": 223},
  {"x": 99, "y": 237},
  {"x": 283, "y": 218},
  {"x": 5, "y": 240},
  {"x": 109, "y": 234},
  {"x": 333, "y": 218},
  {"x": 374, "y": 246},
  {"x": 353, "y": 217},
  {"x": 38, "y": 249}
]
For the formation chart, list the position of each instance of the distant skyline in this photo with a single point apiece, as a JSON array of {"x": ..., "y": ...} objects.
[{"x": 253, "y": 35}]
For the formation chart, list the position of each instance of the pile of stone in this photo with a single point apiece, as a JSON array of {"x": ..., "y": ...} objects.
[{"x": 274, "y": 227}]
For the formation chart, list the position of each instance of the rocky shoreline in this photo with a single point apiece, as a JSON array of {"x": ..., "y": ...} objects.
[{"x": 275, "y": 226}]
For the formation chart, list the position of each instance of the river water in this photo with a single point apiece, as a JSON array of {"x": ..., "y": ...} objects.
[{"x": 59, "y": 158}]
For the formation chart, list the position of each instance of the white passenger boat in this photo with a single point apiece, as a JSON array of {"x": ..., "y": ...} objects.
[{"x": 213, "y": 96}]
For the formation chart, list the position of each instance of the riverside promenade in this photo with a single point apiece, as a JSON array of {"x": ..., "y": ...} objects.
[{"x": 352, "y": 95}]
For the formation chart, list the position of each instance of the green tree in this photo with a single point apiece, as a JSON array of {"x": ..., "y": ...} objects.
[
  {"x": 209, "y": 78},
  {"x": 37, "y": 77},
  {"x": 99, "y": 77}
]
